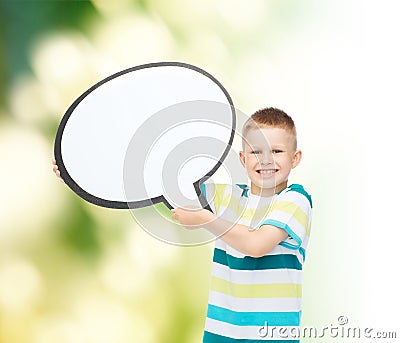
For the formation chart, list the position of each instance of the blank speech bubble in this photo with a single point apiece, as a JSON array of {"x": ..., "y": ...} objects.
[{"x": 115, "y": 141}]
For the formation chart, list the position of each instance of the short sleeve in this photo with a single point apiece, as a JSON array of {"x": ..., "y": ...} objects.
[
  {"x": 291, "y": 211},
  {"x": 213, "y": 194},
  {"x": 217, "y": 196}
]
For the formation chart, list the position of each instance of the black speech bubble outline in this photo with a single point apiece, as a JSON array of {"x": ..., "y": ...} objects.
[{"x": 148, "y": 202}]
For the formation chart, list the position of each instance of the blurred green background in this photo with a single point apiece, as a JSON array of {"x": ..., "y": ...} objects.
[{"x": 71, "y": 272}]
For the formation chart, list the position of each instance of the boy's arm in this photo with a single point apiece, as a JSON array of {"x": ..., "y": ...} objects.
[{"x": 255, "y": 243}]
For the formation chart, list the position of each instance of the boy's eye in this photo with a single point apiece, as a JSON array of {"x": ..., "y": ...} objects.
[
  {"x": 256, "y": 152},
  {"x": 276, "y": 151}
]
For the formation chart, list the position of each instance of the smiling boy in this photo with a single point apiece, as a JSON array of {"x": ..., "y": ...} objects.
[{"x": 262, "y": 232}]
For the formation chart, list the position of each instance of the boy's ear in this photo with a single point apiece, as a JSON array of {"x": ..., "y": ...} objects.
[
  {"x": 296, "y": 158},
  {"x": 242, "y": 158}
]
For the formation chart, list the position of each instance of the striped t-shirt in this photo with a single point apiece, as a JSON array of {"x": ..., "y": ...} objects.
[{"x": 257, "y": 299}]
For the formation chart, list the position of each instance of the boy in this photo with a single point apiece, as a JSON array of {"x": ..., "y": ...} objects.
[{"x": 262, "y": 232}]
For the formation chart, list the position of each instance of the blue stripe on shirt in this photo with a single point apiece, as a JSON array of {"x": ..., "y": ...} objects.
[
  {"x": 288, "y": 261},
  {"x": 214, "y": 338},
  {"x": 253, "y": 318}
]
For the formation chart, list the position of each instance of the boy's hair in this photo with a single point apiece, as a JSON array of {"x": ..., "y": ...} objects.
[{"x": 270, "y": 117}]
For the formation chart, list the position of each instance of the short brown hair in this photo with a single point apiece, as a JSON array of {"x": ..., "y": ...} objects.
[{"x": 272, "y": 117}]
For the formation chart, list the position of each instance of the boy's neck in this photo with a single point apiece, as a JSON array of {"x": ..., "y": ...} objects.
[{"x": 267, "y": 192}]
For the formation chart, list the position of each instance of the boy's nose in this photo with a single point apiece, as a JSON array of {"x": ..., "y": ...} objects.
[{"x": 266, "y": 158}]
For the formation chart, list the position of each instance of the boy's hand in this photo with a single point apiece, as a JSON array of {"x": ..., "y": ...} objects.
[
  {"x": 192, "y": 218},
  {"x": 56, "y": 171}
]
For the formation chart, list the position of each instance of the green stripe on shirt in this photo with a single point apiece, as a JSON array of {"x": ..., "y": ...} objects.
[{"x": 273, "y": 290}]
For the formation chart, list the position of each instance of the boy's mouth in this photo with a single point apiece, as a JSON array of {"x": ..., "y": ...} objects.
[{"x": 266, "y": 171}]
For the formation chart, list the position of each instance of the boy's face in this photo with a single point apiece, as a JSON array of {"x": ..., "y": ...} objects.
[{"x": 269, "y": 155}]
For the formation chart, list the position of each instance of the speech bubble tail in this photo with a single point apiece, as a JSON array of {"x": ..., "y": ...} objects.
[
  {"x": 201, "y": 196},
  {"x": 166, "y": 203}
]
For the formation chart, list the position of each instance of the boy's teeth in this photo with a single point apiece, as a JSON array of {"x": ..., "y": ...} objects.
[{"x": 270, "y": 171}]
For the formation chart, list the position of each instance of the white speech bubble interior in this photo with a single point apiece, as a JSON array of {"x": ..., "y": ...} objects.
[
  {"x": 97, "y": 129},
  {"x": 163, "y": 147}
]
